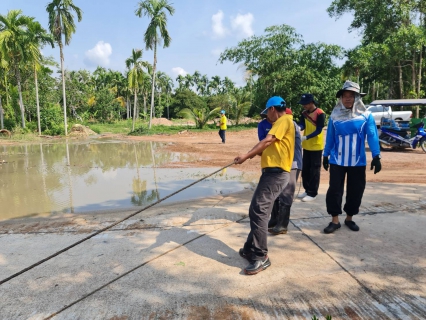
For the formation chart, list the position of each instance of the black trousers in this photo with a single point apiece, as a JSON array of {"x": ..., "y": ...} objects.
[
  {"x": 311, "y": 171},
  {"x": 355, "y": 187},
  {"x": 222, "y": 135},
  {"x": 270, "y": 186}
]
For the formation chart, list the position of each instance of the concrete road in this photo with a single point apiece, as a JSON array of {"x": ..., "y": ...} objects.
[{"x": 181, "y": 261}]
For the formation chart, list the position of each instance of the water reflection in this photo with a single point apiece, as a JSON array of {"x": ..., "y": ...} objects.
[{"x": 70, "y": 177}]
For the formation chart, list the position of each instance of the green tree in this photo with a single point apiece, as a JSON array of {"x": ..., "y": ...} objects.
[
  {"x": 15, "y": 46},
  {"x": 156, "y": 32},
  {"x": 135, "y": 66},
  {"x": 61, "y": 23},
  {"x": 284, "y": 65},
  {"x": 199, "y": 115},
  {"x": 38, "y": 37}
]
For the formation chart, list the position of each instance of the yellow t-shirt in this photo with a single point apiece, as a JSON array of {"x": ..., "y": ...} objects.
[
  {"x": 223, "y": 122},
  {"x": 280, "y": 153}
]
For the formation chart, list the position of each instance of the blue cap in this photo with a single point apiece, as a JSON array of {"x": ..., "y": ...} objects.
[
  {"x": 222, "y": 111},
  {"x": 275, "y": 101}
]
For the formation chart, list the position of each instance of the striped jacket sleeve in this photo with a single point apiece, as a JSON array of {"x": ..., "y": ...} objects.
[{"x": 329, "y": 141}]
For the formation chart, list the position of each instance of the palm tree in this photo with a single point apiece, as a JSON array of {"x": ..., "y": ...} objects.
[
  {"x": 156, "y": 11},
  {"x": 38, "y": 37},
  {"x": 61, "y": 22},
  {"x": 215, "y": 84},
  {"x": 15, "y": 46},
  {"x": 241, "y": 100},
  {"x": 135, "y": 76},
  {"x": 199, "y": 115}
]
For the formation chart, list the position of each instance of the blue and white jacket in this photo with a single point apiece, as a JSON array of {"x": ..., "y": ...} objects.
[{"x": 345, "y": 142}]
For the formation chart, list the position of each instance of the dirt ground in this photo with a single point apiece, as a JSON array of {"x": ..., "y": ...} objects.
[
  {"x": 404, "y": 166},
  {"x": 407, "y": 166}
]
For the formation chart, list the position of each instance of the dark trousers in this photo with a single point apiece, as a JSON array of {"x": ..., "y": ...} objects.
[
  {"x": 222, "y": 135},
  {"x": 355, "y": 186},
  {"x": 270, "y": 186},
  {"x": 311, "y": 171},
  {"x": 287, "y": 196}
]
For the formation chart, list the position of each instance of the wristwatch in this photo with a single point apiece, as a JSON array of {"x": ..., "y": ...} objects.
[{"x": 378, "y": 156}]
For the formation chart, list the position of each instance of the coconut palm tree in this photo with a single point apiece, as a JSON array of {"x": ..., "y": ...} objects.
[
  {"x": 61, "y": 22},
  {"x": 135, "y": 66},
  {"x": 214, "y": 84},
  {"x": 156, "y": 32},
  {"x": 199, "y": 115},
  {"x": 38, "y": 37},
  {"x": 15, "y": 46}
]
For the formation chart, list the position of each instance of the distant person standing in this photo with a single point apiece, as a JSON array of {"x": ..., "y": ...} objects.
[
  {"x": 312, "y": 122},
  {"x": 222, "y": 125}
]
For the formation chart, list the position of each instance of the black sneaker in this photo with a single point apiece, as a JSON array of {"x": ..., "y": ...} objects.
[
  {"x": 257, "y": 265},
  {"x": 332, "y": 227},
  {"x": 352, "y": 225},
  {"x": 243, "y": 254}
]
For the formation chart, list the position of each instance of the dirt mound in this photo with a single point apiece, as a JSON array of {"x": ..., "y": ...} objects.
[
  {"x": 80, "y": 130},
  {"x": 161, "y": 121}
]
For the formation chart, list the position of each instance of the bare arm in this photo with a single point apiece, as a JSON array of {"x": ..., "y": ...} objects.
[{"x": 257, "y": 149}]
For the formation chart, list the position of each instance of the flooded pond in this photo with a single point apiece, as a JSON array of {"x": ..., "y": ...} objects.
[{"x": 94, "y": 175}]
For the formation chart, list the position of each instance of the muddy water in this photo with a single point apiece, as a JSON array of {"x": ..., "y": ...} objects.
[{"x": 75, "y": 177}]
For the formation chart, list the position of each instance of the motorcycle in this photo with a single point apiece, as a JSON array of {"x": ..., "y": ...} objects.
[{"x": 396, "y": 135}]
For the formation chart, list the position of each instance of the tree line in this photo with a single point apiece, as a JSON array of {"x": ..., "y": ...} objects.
[{"x": 388, "y": 63}]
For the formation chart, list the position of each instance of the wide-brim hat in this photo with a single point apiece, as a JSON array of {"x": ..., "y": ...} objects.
[{"x": 350, "y": 86}]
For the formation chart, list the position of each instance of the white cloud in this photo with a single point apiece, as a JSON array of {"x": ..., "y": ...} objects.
[
  {"x": 219, "y": 30},
  {"x": 242, "y": 24},
  {"x": 179, "y": 71},
  {"x": 99, "y": 55},
  {"x": 216, "y": 52}
]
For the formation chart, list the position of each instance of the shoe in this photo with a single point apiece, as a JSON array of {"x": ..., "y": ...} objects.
[
  {"x": 352, "y": 225},
  {"x": 243, "y": 254},
  {"x": 332, "y": 227},
  {"x": 308, "y": 198},
  {"x": 302, "y": 195},
  {"x": 276, "y": 231},
  {"x": 257, "y": 265}
]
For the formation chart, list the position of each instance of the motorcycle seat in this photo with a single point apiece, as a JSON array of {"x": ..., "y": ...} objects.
[{"x": 399, "y": 131}]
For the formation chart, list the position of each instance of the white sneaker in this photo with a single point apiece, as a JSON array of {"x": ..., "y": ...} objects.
[
  {"x": 302, "y": 195},
  {"x": 308, "y": 198}
]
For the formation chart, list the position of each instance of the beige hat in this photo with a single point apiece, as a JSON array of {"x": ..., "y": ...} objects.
[{"x": 349, "y": 86}]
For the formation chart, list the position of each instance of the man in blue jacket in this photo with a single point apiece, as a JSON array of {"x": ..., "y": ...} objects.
[{"x": 344, "y": 154}]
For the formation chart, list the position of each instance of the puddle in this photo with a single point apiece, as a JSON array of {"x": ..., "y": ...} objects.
[{"x": 76, "y": 177}]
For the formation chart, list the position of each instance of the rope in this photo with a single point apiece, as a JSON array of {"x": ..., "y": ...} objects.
[
  {"x": 135, "y": 268},
  {"x": 106, "y": 228}
]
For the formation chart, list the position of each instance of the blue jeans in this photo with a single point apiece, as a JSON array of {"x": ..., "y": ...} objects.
[{"x": 222, "y": 135}]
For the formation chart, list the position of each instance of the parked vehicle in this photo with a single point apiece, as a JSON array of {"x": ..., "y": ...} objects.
[
  {"x": 396, "y": 135},
  {"x": 382, "y": 111}
]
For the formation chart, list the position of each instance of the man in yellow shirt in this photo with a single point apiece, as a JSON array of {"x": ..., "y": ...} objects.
[
  {"x": 277, "y": 151},
  {"x": 222, "y": 123}
]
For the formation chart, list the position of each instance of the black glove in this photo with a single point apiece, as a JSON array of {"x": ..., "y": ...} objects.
[
  {"x": 325, "y": 163},
  {"x": 376, "y": 164}
]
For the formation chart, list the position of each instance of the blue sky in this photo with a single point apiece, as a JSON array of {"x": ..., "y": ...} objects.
[{"x": 200, "y": 30}]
